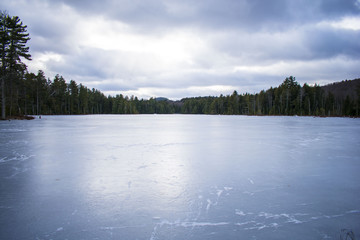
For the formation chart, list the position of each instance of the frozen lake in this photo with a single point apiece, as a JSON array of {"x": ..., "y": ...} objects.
[{"x": 179, "y": 177}]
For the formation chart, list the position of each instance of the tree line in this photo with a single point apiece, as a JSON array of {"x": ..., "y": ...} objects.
[
  {"x": 25, "y": 93},
  {"x": 36, "y": 95},
  {"x": 289, "y": 98}
]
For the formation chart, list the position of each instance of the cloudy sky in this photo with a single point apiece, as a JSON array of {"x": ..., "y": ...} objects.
[{"x": 184, "y": 48}]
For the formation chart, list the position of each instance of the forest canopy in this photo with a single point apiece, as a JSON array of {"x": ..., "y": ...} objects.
[{"x": 26, "y": 93}]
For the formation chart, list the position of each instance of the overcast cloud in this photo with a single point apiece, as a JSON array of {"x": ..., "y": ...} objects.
[{"x": 184, "y": 48}]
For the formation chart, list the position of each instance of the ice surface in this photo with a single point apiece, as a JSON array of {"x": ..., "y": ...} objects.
[{"x": 179, "y": 177}]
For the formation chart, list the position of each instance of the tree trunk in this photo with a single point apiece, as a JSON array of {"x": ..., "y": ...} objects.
[
  {"x": 11, "y": 96},
  {"x": 37, "y": 100},
  {"x": 3, "y": 115}
]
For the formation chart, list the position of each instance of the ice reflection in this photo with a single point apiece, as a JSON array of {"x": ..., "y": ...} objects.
[{"x": 131, "y": 171}]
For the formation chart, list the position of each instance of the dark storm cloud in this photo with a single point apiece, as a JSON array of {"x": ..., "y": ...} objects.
[
  {"x": 329, "y": 43},
  {"x": 243, "y": 14},
  {"x": 277, "y": 15},
  {"x": 339, "y": 7},
  {"x": 309, "y": 43}
]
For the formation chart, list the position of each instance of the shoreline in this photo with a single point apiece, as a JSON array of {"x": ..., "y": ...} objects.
[
  {"x": 31, "y": 117},
  {"x": 23, "y": 117}
]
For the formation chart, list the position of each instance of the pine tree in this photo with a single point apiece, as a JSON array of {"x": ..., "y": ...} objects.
[
  {"x": 13, "y": 39},
  {"x": 4, "y": 43}
]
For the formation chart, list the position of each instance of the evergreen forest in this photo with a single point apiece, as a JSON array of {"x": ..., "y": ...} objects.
[{"x": 26, "y": 93}]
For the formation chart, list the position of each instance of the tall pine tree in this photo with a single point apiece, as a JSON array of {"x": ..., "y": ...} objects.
[{"x": 13, "y": 39}]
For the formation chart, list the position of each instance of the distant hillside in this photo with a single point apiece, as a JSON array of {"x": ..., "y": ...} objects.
[
  {"x": 159, "y": 99},
  {"x": 345, "y": 88}
]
